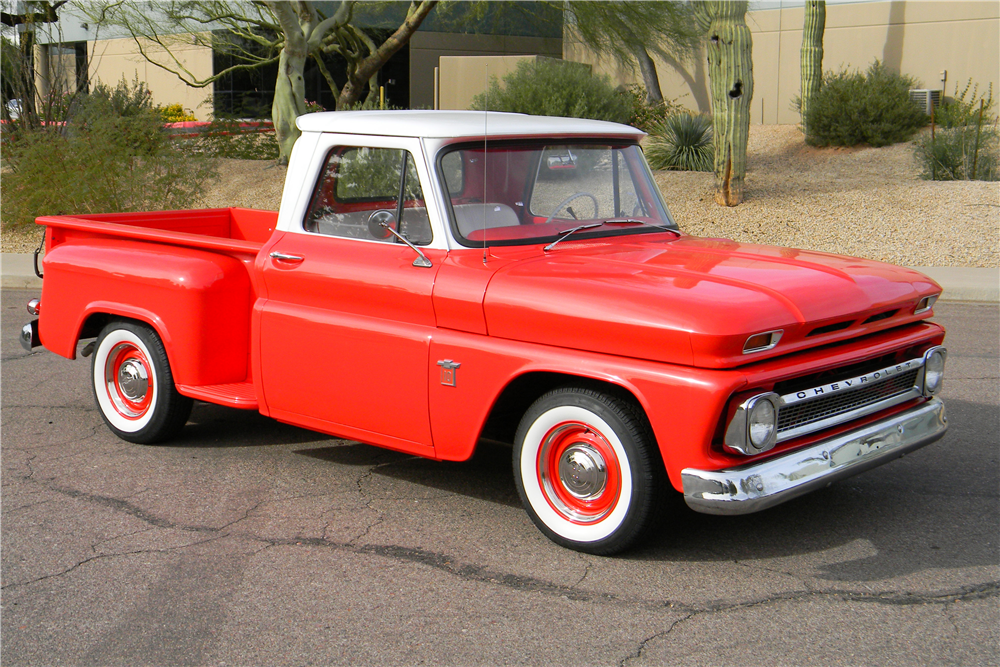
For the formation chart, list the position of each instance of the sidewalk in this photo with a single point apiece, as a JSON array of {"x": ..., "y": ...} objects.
[{"x": 960, "y": 284}]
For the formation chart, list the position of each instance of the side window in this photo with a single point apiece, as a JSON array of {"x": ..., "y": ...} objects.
[{"x": 359, "y": 189}]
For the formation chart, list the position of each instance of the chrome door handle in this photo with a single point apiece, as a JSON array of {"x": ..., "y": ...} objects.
[{"x": 282, "y": 257}]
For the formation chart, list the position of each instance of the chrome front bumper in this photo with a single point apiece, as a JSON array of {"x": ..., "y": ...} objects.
[{"x": 757, "y": 486}]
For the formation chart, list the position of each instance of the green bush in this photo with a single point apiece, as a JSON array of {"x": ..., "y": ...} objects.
[
  {"x": 111, "y": 156},
  {"x": 951, "y": 154},
  {"x": 647, "y": 116},
  {"x": 546, "y": 87},
  {"x": 225, "y": 138},
  {"x": 682, "y": 142},
  {"x": 959, "y": 112},
  {"x": 871, "y": 108}
]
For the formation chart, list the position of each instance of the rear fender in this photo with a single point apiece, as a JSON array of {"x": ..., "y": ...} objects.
[{"x": 198, "y": 302}]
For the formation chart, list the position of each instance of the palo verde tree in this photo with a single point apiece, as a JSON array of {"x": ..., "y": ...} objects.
[
  {"x": 730, "y": 68},
  {"x": 260, "y": 33},
  {"x": 811, "y": 56},
  {"x": 629, "y": 31}
]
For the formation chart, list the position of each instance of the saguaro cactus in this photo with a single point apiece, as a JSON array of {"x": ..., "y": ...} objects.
[
  {"x": 730, "y": 67},
  {"x": 812, "y": 56}
]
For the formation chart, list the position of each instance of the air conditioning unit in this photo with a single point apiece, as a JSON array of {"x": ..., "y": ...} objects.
[{"x": 927, "y": 99}]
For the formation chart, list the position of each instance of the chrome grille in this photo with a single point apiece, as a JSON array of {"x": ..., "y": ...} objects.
[
  {"x": 821, "y": 408},
  {"x": 816, "y": 408}
]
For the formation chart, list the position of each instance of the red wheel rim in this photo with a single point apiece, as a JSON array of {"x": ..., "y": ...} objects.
[
  {"x": 129, "y": 380},
  {"x": 578, "y": 472}
]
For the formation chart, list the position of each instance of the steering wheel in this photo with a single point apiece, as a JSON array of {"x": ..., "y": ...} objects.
[{"x": 571, "y": 198}]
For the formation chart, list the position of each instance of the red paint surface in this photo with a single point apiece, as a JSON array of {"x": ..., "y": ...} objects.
[{"x": 347, "y": 341}]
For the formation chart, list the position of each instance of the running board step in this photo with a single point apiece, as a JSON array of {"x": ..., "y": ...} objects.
[{"x": 236, "y": 395}]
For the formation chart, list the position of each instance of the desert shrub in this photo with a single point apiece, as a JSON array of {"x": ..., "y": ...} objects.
[
  {"x": 111, "y": 156},
  {"x": 871, "y": 108},
  {"x": 226, "y": 138},
  {"x": 951, "y": 154},
  {"x": 959, "y": 111},
  {"x": 547, "y": 87},
  {"x": 647, "y": 116},
  {"x": 682, "y": 142}
]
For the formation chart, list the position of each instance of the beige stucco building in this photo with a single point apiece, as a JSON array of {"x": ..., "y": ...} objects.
[{"x": 941, "y": 43}]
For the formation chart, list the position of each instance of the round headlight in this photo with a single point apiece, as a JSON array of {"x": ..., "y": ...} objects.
[
  {"x": 934, "y": 371},
  {"x": 762, "y": 424}
]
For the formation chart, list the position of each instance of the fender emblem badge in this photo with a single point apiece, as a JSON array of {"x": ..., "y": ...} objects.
[{"x": 448, "y": 368}]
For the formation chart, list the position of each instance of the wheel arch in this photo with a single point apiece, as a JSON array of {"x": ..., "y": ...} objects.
[{"x": 520, "y": 392}]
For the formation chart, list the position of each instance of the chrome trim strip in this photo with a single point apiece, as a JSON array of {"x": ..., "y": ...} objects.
[
  {"x": 757, "y": 486},
  {"x": 929, "y": 300},
  {"x": 775, "y": 337},
  {"x": 851, "y": 384}
]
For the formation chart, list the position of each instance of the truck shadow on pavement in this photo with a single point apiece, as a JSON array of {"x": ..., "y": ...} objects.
[{"x": 918, "y": 513}]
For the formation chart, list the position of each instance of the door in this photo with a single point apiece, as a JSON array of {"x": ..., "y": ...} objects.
[{"x": 346, "y": 329}]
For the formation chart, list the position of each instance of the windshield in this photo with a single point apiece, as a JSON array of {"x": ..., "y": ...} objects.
[{"x": 519, "y": 194}]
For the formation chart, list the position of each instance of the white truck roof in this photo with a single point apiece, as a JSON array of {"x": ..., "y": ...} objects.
[{"x": 459, "y": 124}]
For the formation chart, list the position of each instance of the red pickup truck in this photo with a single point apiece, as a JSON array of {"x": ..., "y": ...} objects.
[{"x": 438, "y": 278}]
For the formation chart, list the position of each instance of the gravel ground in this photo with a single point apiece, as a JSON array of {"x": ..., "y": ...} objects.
[{"x": 867, "y": 202}]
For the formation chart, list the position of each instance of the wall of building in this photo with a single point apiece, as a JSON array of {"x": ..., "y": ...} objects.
[
  {"x": 112, "y": 59},
  {"x": 459, "y": 83},
  {"x": 919, "y": 38}
]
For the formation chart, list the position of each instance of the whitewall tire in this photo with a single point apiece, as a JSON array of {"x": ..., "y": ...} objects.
[
  {"x": 133, "y": 384},
  {"x": 587, "y": 470}
]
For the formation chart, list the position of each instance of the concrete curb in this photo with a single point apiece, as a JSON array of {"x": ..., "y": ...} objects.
[
  {"x": 17, "y": 272},
  {"x": 965, "y": 284},
  {"x": 959, "y": 283}
]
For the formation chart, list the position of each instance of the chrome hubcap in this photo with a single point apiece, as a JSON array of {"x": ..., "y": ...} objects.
[
  {"x": 133, "y": 380},
  {"x": 578, "y": 472},
  {"x": 583, "y": 472},
  {"x": 129, "y": 381}
]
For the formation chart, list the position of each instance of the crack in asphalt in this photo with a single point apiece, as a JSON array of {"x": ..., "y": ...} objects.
[
  {"x": 128, "y": 508},
  {"x": 21, "y": 584},
  {"x": 368, "y": 499},
  {"x": 586, "y": 569},
  {"x": 791, "y": 575},
  {"x": 520, "y": 583},
  {"x": 642, "y": 645}
]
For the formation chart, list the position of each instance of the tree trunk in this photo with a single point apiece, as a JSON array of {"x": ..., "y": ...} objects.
[
  {"x": 289, "y": 97},
  {"x": 649, "y": 77},
  {"x": 731, "y": 70},
  {"x": 812, "y": 56},
  {"x": 367, "y": 68}
]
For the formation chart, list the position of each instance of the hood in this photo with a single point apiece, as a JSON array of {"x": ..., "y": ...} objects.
[{"x": 695, "y": 301}]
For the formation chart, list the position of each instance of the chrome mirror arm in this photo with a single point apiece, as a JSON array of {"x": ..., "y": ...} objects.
[{"x": 421, "y": 261}]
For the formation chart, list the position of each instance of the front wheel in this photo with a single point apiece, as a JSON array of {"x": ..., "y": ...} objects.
[
  {"x": 587, "y": 470},
  {"x": 133, "y": 385}
]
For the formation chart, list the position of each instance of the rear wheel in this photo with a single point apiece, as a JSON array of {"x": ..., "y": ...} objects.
[
  {"x": 587, "y": 470},
  {"x": 133, "y": 385}
]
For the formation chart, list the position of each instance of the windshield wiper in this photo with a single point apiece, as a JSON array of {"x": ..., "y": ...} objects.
[
  {"x": 633, "y": 221},
  {"x": 569, "y": 232}
]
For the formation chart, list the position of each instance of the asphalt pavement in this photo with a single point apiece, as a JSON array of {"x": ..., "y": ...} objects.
[{"x": 249, "y": 542}]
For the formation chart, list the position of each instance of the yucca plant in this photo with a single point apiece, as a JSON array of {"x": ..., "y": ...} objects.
[{"x": 682, "y": 142}]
